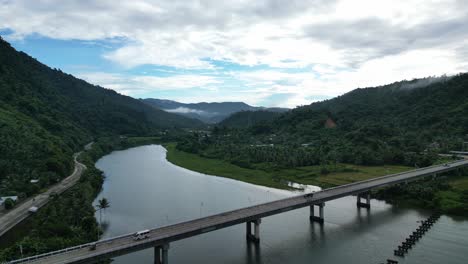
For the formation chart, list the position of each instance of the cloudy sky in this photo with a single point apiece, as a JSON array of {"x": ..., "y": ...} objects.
[{"x": 263, "y": 52}]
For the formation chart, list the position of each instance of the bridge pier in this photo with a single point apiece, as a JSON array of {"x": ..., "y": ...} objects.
[
  {"x": 318, "y": 218},
  {"x": 161, "y": 254},
  {"x": 255, "y": 237},
  {"x": 365, "y": 204}
]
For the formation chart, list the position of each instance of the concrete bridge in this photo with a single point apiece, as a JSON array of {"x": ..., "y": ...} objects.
[{"x": 160, "y": 238}]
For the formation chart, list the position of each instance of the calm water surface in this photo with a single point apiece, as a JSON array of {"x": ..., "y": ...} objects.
[{"x": 146, "y": 191}]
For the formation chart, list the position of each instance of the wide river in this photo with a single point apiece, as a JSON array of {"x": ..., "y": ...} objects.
[{"x": 146, "y": 191}]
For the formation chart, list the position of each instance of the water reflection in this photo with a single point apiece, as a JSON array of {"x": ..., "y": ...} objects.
[
  {"x": 146, "y": 192},
  {"x": 253, "y": 253}
]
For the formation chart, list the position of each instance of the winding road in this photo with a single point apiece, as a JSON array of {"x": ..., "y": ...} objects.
[{"x": 20, "y": 212}]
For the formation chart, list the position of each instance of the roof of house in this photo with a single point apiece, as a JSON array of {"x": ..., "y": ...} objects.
[{"x": 4, "y": 198}]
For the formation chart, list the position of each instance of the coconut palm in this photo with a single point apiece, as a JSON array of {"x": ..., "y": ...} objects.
[{"x": 102, "y": 205}]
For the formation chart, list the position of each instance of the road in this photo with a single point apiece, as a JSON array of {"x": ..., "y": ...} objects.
[
  {"x": 20, "y": 212},
  {"x": 125, "y": 244},
  {"x": 463, "y": 154}
]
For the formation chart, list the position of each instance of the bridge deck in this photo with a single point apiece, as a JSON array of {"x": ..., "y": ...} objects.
[{"x": 125, "y": 244}]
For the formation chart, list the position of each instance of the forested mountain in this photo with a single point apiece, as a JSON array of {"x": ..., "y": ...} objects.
[
  {"x": 424, "y": 109},
  {"x": 46, "y": 115},
  {"x": 402, "y": 123},
  {"x": 206, "y": 112},
  {"x": 384, "y": 124},
  {"x": 246, "y": 119}
]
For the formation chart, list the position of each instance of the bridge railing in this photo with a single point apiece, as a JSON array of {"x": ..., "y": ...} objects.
[
  {"x": 48, "y": 254},
  {"x": 130, "y": 234},
  {"x": 387, "y": 176}
]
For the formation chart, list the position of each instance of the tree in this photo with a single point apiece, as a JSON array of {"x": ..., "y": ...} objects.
[
  {"x": 9, "y": 203},
  {"x": 102, "y": 205}
]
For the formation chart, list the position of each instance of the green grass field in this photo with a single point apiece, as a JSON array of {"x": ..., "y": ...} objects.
[
  {"x": 219, "y": 168},
  {"x": 263, "y": 175},
  {"x": 459, "y": 183},
  {"x": 453, "y": 200}
]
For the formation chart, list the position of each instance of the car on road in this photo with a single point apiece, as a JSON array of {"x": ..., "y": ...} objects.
[
  {"x": 446, "y": 165},
  {"x": 33, "y": 209},
  {"x": 92, "y": 246},
  {"x": 141, "y": 235},
  {"x": 309, "y": 195}
]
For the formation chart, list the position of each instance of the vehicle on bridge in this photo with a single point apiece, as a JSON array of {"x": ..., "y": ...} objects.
[
  {"x": 33, "y": 209},
  {"x": 92, "y": 246},
  {"x": 141, "y": 235},
  {"x": 159, "y": 238}
]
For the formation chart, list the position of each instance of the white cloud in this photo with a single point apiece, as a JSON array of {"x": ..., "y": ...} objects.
[
  {"x": 330, "y": 83},
  {"x": 136, "y": 85},
  {"x": 184, "y": 33},
  {"x": 346, "y": 44}
]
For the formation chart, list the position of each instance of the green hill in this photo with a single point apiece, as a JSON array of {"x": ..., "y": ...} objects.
[
  {"x": 408, "y": 116},
  {"x": 46, "y": 115},
  {"x": 392, "y": 124}
]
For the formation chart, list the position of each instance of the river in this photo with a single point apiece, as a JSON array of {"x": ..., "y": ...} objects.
[{"x": 146, "y": 191}]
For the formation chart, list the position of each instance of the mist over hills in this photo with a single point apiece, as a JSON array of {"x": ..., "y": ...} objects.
[{"x": 207, "y": 112}]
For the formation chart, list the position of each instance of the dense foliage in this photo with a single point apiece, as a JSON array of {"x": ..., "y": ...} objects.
[
  {"x": 442, "y": 193},
  {"x": 68, "y": 219},
  {"x": 401, "y": 123},
  {"x": 46, "y": 115}
]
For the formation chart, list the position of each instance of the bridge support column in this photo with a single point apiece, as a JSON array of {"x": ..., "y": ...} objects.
[
  {"x": 318, "y": 218},
  {"x": 161, "y": 254},
  {"x": 255, "y": 237},
  {"x": 365, "y": 204}
]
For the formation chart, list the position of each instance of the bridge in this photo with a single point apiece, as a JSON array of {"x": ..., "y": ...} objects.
[{"x": 160, "y": 238}]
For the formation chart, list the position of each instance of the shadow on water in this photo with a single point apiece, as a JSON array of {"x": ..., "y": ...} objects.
[
  {"x": 254, "y": 255},
  {"x": 317, "y": 233},
  {"x": 349, "y": 235},
  {"x": 105, "y": 225},
  {"x": 365, "y": 221},
  {"x": 457, "y": 219}
]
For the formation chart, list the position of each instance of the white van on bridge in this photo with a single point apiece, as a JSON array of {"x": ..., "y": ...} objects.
[{"x": 141, "y": 235}]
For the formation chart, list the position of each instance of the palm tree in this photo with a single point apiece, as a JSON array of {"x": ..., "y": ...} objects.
[{"x": 102, "y": 205}]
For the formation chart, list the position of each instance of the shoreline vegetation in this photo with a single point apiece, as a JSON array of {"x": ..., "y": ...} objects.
[
  {"x": 69, "y": 218},
  {"x": 55, "y": 227},
  {"x": 447, "y": 193},
  {"x": 321, "y": 175}
]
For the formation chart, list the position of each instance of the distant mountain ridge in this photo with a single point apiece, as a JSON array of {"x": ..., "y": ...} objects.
[{"x": 207, "y": 112}]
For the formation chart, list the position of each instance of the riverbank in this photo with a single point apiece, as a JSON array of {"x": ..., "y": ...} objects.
[
  {"x": 448, "y": 194},
  {"x": 263, "y": 174},
  {"x": 161, "y": 194},
  {"x": 68, "y": 219}
]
